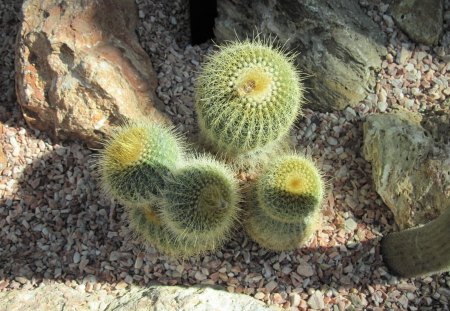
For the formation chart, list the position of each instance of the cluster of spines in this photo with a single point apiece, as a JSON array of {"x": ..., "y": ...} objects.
[
  {"x": 285, "y": 209},
  {"x": 248, "y": 96}
]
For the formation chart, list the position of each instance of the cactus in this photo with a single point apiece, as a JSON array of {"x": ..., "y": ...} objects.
[
  {"x": 149, "y": 228},
  {"x": 247, "y": 96},
  {"x": 290, "y": 189},
  {"x": 279, "y": 236},
  {"x": 200, "y": 201},
  {"x": 419, "y": 251},
  {"x": 136, "y": 158}
]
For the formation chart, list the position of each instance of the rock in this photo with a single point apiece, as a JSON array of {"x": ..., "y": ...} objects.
[
  {"x": 421, "y": 20},
  {"x": 339, "y": 46},
  {"x": 80, "y": 71},
  {"x": 410, "y": 159},
  {"x": 305, "y": 270},
  {"x": 3, "y": 159},
  {"x": 316, "y": 301},
  {"x": 168, "y": 298}
]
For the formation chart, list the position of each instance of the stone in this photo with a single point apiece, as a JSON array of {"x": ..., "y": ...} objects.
[
  {"x": 410, "y": 157},
  {"x": 316, "y": 301},
  {"x": 79, "y": 71},
  {"x": 58, "y": 296},
  {"x": 3, "y": 159},
  {"x": 421, "y": 20},
  {"x": 305, "y": 270},
  {"x": 338, "y": 45}
]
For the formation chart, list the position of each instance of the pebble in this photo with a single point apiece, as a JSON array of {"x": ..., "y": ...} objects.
[
  {"x": 271, "y": 286},
  {"x": 76, "y": 257},
  {"x": 316, "y": 300},
  {"x": 295, "y": 299},
  {"x": 21, "y": 279},
  {"x": 350, "y": 225},
  {"x": 332, "y": 141},
  {"x": 138, "y": 262},
  {"x": 260, "y": 295},
  {"x": 200, "y": 276},
  {"x": 305, "y": 270}
]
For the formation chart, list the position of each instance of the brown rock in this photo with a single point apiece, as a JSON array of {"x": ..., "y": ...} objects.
[
  {"x": 410, "y": 161},
  {"x": 80, "y": 69}
]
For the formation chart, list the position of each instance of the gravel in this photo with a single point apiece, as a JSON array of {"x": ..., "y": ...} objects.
[{"x": 56, "y": 226}]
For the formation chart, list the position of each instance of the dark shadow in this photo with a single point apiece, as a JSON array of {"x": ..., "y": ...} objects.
[{"x": 201, "y": 18}]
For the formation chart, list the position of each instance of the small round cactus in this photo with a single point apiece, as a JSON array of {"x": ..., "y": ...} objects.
[
  {"x": 248, "y": 95},
  {"x": 290, "y": 189},
  {"x": 149, "y": 228},
  {"x": 279, "y": 236},
  {"x": 200, "y": 201},
  {"x": 136, "y": 159}
]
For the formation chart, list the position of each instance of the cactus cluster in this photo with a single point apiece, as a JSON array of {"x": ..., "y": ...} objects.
[
  {"x": 285, "y": 210},
  {"x": 182, "y": 206},
  {"x": 247, "y": 99}
]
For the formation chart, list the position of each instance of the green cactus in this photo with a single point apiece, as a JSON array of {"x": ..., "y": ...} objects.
[
  {"x": 419, "y": 251},
  {"x": 149, "y": 228},
  {"x": 279, "y": 236},
  {"x": 200, "y": 201},
  {"x": 136, "y": 158},
  {"x": 247, "y": 96},
  {"x": 290, "y": 189}
]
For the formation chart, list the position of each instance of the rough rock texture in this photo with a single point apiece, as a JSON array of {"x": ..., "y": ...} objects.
[
  {"x": 339, "y": 45},
  {"x": 153, "y": 298},
  {"x": 410, "y": 158},
  {"x": 421, "y": 20},
  {"x": 79, "y": 71}
]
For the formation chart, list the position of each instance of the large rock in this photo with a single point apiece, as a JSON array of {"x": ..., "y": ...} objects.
[
  {"x": 410, "y": 158},
  {"x": 339, "y": 46},
  {"x": 421, "y": 20},
  {"x": 80, "y": 68},
  {"x": 154, "y": 298}
]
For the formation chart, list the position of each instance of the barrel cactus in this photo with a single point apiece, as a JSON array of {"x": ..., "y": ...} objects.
[
  {"x": 290, "y": 189},
  {"x": 136, "y": 159},
  {"x": 149, "y": 228},
  {"x": 200, "y": 201},
  {"x": 247, "y": 96},
  {"x": 276, "y": 235}
]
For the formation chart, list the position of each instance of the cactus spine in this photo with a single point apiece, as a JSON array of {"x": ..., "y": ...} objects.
[
  {"x": 247, "y": 96},
  {"x": 419, "y": 251},
  {"x": 200, "y": 201},
  {"x": 136, "y": 159}
]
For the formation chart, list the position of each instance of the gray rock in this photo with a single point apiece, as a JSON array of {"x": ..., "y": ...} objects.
[
  {"x": 154, "y": 298},
  {"x": 421, "y": 20},
  {"x": 80, "y": 71},
  {"x": 339, "y": 46},
  {"x": 410, "y": 158}
]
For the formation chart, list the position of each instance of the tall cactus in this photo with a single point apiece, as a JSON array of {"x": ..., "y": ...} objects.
[{"x": 419, "y": 251}]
